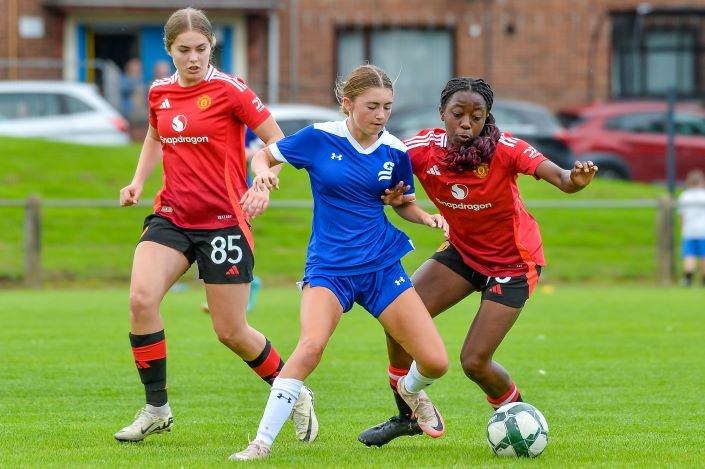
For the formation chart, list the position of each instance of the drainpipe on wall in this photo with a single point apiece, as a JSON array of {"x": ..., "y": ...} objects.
[
  {"x": 12, "y": 54},
  {"x": 294, "y": 50},
  {"x": 273, "y": 58},
  {"x": 488, "y": 49}
]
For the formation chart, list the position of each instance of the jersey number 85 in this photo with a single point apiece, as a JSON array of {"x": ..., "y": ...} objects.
[{"x": 222, "y": 249}]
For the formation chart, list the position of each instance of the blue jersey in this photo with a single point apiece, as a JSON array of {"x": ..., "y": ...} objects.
[{"x": 351, "y": 234}]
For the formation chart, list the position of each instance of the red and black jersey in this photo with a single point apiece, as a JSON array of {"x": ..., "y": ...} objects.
[
  {"x": 489, "y": 225},
  {"x": 202, "y": 131}
]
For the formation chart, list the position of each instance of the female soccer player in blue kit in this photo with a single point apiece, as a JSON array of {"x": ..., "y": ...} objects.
[{"x": 354, "y": 252}]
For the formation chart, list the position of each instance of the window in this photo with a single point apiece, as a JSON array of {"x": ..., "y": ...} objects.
[
  {"x": 74, "y": 105},
  {"x": 689, "y": 124},
  {"x": 647, "y": 122},
  {"x": 419, "y": 61},
  {"x": 655, "y": 122},
  {"x": 656, "y": 52},
  {"x": 26, "y": 105}
]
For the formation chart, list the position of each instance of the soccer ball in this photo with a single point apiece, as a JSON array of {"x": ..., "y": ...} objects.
[{"x": 517, "y": 429}]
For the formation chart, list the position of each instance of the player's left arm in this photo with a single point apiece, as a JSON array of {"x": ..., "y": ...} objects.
[
  {"x": 412, "y": 212},
  {"x": 567, "y": 180}
]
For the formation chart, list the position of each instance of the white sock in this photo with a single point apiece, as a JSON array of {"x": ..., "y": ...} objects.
[
  {"x": 415, "y": 381},
  {"x": 161, "y": 411},
  {"x": 282, "y": 397}
]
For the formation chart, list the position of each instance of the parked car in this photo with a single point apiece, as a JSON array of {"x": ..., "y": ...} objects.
[
  {"x": 59, "y": 110},
  {"x": 292, "y": 117},
  {"x": 528, "y": 121},
  {"x": 628, "y": 140}
]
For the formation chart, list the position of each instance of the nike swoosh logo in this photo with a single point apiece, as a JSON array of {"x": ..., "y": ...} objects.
[
  {"x": 438, "y": 427},
  {"x": 145, "y": 430}
]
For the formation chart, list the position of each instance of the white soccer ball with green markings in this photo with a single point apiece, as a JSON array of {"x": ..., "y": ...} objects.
[{"x": 517, "y": 430}]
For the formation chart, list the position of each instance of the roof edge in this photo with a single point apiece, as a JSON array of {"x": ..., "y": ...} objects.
[{"x": 165, "y": 4}]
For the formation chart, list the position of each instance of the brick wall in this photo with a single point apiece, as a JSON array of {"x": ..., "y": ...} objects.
[
  {"x": 14, "y": 47},
  {"x": 556, "y": 52}
]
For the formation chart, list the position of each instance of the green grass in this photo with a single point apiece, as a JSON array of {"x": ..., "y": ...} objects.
[
  {"x": 616, "y": 371},
  {"x": 95, "y": 245}
]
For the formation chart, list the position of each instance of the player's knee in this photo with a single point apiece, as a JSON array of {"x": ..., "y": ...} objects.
[
  {"x": 231, "y": 337},
  {"x": 435, "y": 366},
  {"x": 310, "y": 352},
  {"x": 142, "y": 304},
  {"x": 474, "y": 366}
]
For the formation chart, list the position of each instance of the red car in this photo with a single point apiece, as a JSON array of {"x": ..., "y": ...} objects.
[{"x": 628, "y": 140}]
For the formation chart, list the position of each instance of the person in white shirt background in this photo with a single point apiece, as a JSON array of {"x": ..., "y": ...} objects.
[{"x": 691, "y": 207}]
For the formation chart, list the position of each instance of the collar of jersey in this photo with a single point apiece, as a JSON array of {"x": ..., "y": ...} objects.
[{"x": 356, "y": 145}]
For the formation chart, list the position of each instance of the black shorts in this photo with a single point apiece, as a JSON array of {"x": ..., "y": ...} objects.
[
  {"x": 509, "y": 291},
  {"x": 223, "y": 255}
]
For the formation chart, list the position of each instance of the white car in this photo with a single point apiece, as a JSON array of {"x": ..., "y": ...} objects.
[
  {"x": 62, "y": 111},
  {"x": 294, "y": 117}
]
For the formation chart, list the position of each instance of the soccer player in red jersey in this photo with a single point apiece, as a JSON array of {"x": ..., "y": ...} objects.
[
  {"x": 197, "y": 120},
  {"x": 469, "y": 171}
]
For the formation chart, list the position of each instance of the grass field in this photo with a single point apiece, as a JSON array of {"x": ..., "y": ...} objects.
[{"x": 618, "y": 373}]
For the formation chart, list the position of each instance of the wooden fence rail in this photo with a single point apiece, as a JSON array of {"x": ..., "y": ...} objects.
[{"x": 33, "y": 225}]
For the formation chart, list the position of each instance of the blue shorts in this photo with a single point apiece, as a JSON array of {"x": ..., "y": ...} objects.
[
  {"x": 693, "y": 247},
  {"x": 373, "y": 291}
]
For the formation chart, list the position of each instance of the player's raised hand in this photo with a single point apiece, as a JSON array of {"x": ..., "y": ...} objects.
[
  {"x": 582, "y": 172},
  {"x": 395, "y": 196},
  {"x": 130, "y": 194}
]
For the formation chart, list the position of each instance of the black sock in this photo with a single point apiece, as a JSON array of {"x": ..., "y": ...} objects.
[
  {"x": 404, "y": 409},
  {"x": 149, "y": 352},
  {"x": 688, "y": 278}
]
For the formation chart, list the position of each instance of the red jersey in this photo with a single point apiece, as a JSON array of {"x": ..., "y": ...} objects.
[
  {"x": 489, "y": 225},
  {"x": 202, "y": 130}
]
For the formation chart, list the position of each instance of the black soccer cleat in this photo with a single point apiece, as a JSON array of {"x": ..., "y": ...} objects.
[{"x": 385, "y": 432}]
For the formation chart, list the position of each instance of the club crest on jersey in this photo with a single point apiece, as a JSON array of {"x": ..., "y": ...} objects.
[
  {"x": 386, "y": 173},
  {"x": 482, "y": 171},
  {"x": 178, "y": 123},
  {"x": 204, "y": 102},
  {"x": 459, "y": 191}
]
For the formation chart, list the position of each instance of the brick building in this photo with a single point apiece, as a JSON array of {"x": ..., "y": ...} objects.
[{"x": 555, "y": 52}]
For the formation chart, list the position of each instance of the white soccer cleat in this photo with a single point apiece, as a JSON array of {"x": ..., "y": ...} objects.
[
  {"x": 255, "y": 450},
  {"x": 147, "y": 421},
  {"x": 304, "y": 416},
  {"x": 427, "y": 416}
]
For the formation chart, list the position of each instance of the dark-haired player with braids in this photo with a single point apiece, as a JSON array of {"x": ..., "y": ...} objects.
[{"x": 469, "y": 171}]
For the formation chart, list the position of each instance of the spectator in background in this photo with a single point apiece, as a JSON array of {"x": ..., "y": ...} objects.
[
  {"x": 133, "y": 92},
  {"x": 162, "y": 69},
  {"x": 691, "y": 207}
]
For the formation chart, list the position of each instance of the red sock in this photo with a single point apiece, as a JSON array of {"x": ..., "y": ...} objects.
[
  {"x": 512, "y": 395},
  {"x": 268, "y": 364}
]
